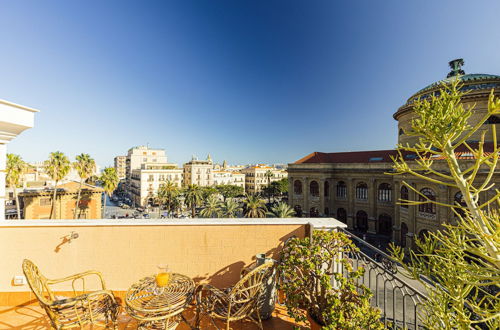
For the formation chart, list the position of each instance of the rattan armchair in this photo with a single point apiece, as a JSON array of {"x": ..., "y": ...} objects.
[
  {"x": 97, "y": 307},
  {"x": 236, "y": 303}
]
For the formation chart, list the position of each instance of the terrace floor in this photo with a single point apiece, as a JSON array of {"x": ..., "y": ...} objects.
[{"x": 32, "y": 317}]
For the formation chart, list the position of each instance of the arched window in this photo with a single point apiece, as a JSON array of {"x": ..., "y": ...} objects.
[
  {"x": 298, "y": 210},
  {"x": 404, "y": 231},
  {"x": 341, "y": 189},
  {"x": 327, "y": 189},
  {"x": 401, "y": 132},
  {"x": 459, "y": 200},
  {"x": 404, "y": 196},
  {"x": 297, "y": 187},
  {"x": 314, "y": 188},
  {"x": 342, "y": 215},
  {"x": 429, "y": 208},
  {"x": 384, "y": 192},
  {"x": 362, "y": 221},
  {"x": 384, "y": 224},
  {"x": 327, "y": 211},
  {"x": 362, "y": 191},
  {"x": 313, "y": 212}
]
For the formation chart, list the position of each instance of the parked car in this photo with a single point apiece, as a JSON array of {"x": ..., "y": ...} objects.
[{"x": 124, "y": 206}]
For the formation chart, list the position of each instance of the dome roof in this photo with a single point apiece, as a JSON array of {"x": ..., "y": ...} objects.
[
  {"x": 474, "y": 81},
  {"x": 464, "y": 78}
]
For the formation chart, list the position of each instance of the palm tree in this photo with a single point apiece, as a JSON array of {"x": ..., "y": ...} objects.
[
  {"x": 14, "y": 172},
  {"x": 281, "y": 210},
  {"x": 167, "y": 193},
  {"x": 255, "y": 207},
  {"x": 269, "y": 174},
  {"x": 212, "y": 207},
  {"x": 109, "y": 180},
  {"x": 57, "y": 167},
  {"x": 85, "y": 166},
  {"x": 193, "y": 197},
  {"x": 231, "y": 208}
]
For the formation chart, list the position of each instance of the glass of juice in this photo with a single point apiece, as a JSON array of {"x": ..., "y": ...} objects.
[{"x": 162, "y": 276}]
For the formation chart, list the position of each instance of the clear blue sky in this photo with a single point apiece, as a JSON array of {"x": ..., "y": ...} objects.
[{"x": 247, "y": 81}]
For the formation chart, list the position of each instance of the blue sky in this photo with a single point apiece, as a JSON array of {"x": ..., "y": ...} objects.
[{"x": 247, "y": 81}]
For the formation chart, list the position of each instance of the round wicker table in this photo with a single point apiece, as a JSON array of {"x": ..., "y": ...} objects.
[{"x": 159, "y": 307}]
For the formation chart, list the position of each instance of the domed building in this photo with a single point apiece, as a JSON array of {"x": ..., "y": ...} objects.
[{"x": 353, "y": 186}]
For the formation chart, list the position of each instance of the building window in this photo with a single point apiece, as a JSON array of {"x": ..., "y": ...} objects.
[
  {"x": 362, "y": 191},
  {"x": 401, "y": 132},
  {"x": 342, "y": 215},
  {"x": 327, "y": 211},
  {"x": 404, "y": 196},
  {"x": 327, "y": 189},
  {"x": 362, "y": 221},
  {"x": 341, "y": 189},
  {"x": 429, "y": 208},
  {"x": 314, "y": 188},
  {"x": 384, "y": 192},
  {"x": 45, "y": 202},
  {"x": 384, "y": 225}
]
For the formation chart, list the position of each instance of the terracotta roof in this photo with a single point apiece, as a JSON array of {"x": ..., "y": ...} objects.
[
  {"x": 68, "y": 187},
  {"x": 378, "y": 156},
  {"x": 381, "y": 156}
]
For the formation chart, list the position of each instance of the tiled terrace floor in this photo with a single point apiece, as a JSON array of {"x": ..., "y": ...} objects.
[{"x": 32, "y": 317}]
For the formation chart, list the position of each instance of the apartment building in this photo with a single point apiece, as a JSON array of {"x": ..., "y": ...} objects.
[
  {"x": 146, "y": 181},
  {"x": 259, "y": 176},
  {"x": 199, "y": 172},
  {"x": 121, "y": 166},
  {"x": 222, "y": 177}
]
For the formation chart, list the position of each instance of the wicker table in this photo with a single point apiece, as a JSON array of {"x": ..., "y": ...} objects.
[{"x": 159, "y": 308}]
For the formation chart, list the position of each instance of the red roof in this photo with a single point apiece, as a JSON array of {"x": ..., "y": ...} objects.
[{"x": 380, "y": 156}]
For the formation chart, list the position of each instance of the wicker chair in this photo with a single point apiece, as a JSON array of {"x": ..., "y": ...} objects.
[
  {"x": 235, "y": 303},
  {"x": 98, "y": 307}
]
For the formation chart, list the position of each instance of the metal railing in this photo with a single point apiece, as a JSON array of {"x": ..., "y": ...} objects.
[{"x": 399, "y": 301}]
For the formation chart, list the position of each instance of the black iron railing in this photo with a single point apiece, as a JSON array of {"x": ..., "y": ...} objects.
[{"x": 399, "y": 299}]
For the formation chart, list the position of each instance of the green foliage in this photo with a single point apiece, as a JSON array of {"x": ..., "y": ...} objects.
[
  {"x": 229, "y": 190},
  {"x": 109, "y": 180},
  {"x": 14, "y": 171},
  {"x": 231, "y": 208},
  {"x": 168, "y": 196},
  {"x": 85, "y": 166},
  {"x": 206, "y": 192},
  {"x": 281, "y": 210},
  {"x": 193, "y": 196},
  {"x": 254, "y": 207},
  {"x": 462, "y": 259},
  {"x": 307, "y": 268},
  {"x": 57, "y": 167},
  {"x": 212, "y": 207}
]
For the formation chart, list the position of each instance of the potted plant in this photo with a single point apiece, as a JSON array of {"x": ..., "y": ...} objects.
[{"x": 317, "y": 290}]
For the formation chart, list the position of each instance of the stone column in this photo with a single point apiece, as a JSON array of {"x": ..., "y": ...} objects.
[
  {"x": 305, "y": 194},
  {"x": 372, "y": 207},
  {"x": 396, "y": 227},
  {"x": 15, "y": 119},
  {"x": 291, "y": 193},
  {"x": 321, "y": 196},
  {"x": 351, "y": 212}
]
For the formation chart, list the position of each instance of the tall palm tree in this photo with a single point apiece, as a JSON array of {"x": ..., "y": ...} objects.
[
  {"x": 281, "y": 210},
  {"x": 212, "y": 207},
  {"x": 14, "y": 172},
  {"x": 167, "y": 193},
  {"x": 85, "y": 166},
  {"x": 193, "y": 197},
  {"x": 109, "y": 180},
  {"x": 269, "y": 174},
  {"x": 57, "y": 167},
  {"x": 255, "y": 207},
  {"x": 231, "y": 208}
]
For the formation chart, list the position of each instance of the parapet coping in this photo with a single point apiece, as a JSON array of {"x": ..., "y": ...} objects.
[{"x": 325, "y": 223}]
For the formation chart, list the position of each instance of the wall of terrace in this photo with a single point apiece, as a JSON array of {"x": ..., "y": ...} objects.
[{"x": 207, "y": 250}]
